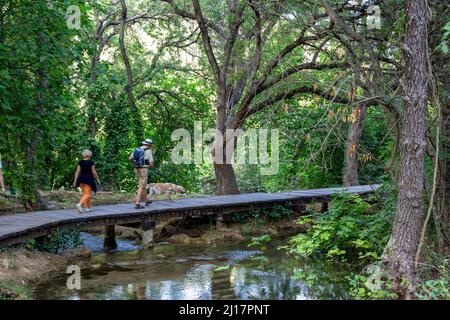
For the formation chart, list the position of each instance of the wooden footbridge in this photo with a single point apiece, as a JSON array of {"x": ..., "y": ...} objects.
[{"x": 19, "y": 228}]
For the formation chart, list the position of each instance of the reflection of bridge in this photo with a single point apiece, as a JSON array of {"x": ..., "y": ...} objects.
[{"x": 18, "y": 228}]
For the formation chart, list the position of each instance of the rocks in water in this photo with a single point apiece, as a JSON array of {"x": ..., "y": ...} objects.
[
  {"x": 197, "y": 231},
  {"x": 220, "y": 236},
  {"x": 180, "y": 238}
]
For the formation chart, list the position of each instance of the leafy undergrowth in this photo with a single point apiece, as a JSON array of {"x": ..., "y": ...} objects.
[
  {"x": 372, "y": 282},
  {"x": 10, "y": 291},
  {"x": 351, "y": 231},
  {"x": 276, "y": 213},
  {"x": 354, "y": 232},
  {"x": 435, "y": 279}
]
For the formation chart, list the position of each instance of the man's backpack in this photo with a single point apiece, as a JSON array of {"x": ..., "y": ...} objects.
[{"x": 138, "y": 157}]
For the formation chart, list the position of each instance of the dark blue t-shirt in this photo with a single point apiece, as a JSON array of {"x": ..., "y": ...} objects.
[{"x": 86, "y": 175}]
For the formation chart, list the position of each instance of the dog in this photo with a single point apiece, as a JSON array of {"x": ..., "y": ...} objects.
[{"x": 167, "y": 189}]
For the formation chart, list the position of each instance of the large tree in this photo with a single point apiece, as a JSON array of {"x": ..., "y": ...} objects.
[
  {"x": 410, "y": 205},
  {"x": 251, "y": 71}
]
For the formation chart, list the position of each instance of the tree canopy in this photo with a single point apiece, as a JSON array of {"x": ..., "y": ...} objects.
[{"x": 359, "y": 91}]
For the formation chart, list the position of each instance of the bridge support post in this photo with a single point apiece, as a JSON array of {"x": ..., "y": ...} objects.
[
  {"x": 110, "y": 238},
  {"x": 220, "y": 222},
  {"x": 148, "y": 231},
  {"x": 42, "y": 241},
  {"x": 299, "y": 207}
]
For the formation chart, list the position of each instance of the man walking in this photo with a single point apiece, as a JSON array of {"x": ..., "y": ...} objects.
[{"x": 142, "y": 158}]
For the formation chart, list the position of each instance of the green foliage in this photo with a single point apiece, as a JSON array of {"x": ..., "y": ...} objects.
[
  {"x": 57, "y": 241},
  {"x": 222, "y": 268},
  {"x": 434, "y": 289},
  {"x": 37, "y": 52},
  {"x": 116, "y": 142},
  {"x": 10, "y": 291},
  {"x": 276, "y": 213},
  {"x": 250, "y": 179},
  {"x": 444, "y": 40},
  {"x": 260, "y": 241},
  {"x": 371, "y": 284},
  {"x": 350, "y": 231},
  {"x": 435, "y": 281}
]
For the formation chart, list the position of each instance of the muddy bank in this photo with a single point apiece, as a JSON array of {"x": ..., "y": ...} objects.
[
  {"x": 191, "y": 231},
  {"x": 22, "y": 268}
]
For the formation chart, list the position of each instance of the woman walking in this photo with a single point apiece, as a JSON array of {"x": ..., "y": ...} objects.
[{"x": 85, "y": 178}]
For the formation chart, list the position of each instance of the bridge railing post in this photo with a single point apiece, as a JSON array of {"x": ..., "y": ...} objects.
[
  {"x": 110, "y": 238},
  {"x": 148, "y": 232}
]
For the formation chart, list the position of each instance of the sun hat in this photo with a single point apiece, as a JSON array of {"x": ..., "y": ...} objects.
[{"x": 147, "y": 141}]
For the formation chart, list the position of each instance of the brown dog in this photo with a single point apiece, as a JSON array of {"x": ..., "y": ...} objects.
[{"x": 167, "y": 189}]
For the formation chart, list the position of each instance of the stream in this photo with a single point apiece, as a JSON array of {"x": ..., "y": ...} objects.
[{"x": 171, "y": 272}]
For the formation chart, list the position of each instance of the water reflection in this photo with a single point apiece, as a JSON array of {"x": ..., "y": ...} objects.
[
  {"x": 256, "y": 284},
  {"x": 172, "y": 272},
  {"x": 95, "y": 243}
]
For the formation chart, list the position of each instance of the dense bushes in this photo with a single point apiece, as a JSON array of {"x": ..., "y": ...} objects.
[
  {"x": 351, "y": 231},
  {"x": 276, "y": 213},
  {"x": 10, "y": 291},
  {"x": 58, "y": 241},
  {"x": 356, "y": 231}
]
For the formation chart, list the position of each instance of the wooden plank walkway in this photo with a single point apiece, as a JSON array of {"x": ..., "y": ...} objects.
[{"x": 18, "y": 228}]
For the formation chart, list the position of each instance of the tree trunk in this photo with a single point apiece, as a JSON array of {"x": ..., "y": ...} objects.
[
  {"x": 445, "y": 176},
  {"x": 226, "y": 182},
  {"x": 350, "y": 177},
  {"x": 410, "y": 207},
  {"x": 138, "y": 130},
  {"x": 31, "y": 198},
  {"x": 92, "y": 122}
]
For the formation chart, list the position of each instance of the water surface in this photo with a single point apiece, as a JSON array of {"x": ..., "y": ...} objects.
[{"x": 198, "y": 272}]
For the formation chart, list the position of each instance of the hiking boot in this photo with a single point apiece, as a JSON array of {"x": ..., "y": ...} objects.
[{"x": 79, "y": 208}]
